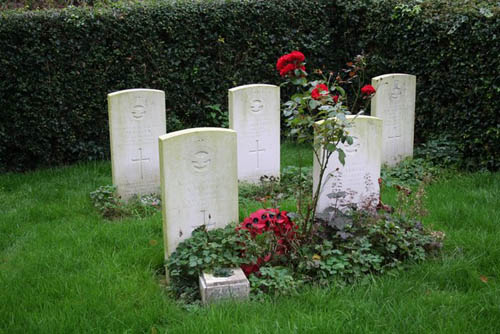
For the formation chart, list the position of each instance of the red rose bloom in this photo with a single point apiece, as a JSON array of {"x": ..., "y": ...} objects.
[
  {"x": 335, "y": 98},
  {"x": 367, "y": 90},
  {"x": 287, "y": 64},
  {"x": 319, "y": 91}
]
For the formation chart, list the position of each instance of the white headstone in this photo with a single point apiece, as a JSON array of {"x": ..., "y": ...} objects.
[
  {"x": 136, "y": 120},
  {"x": 199, "y": 182},
  {"x": 358, "y": 178},
  {"x": 254, "y": 113},
  {"x": 394, "y": 103}
]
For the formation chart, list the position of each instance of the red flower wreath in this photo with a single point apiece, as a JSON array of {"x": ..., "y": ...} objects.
[{"x": 268, "y": 220}]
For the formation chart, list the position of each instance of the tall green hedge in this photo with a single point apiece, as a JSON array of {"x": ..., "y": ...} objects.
[
  {"x": 57, "y": 66},
  {"x": 453, "y": 47}
]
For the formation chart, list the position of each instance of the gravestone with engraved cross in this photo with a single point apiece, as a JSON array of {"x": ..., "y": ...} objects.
[
  {"x": 136, "y": 120},
  {"x": 199, "y": 182},
  {"x": 394, "y": 103},
  {"x": 254, "y": 113},
  {"x": 356, "y": 182}
]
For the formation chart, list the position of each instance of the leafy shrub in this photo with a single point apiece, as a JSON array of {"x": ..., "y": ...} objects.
[
  {"x": 345, "y": 247},
  {"x": 408, "y": 172},
  {"x": 274, "y": 281},
  {"x": 111, "y": 206},
  {"x": 441, "y": 151},
  {"x": 208, "y": 250}
]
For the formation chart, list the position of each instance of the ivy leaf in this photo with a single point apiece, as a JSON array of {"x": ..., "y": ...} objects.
[{"x": 313, "y": 104}]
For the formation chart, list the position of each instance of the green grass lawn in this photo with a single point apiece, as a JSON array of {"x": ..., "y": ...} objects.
[{"x": 64, "y": 269}]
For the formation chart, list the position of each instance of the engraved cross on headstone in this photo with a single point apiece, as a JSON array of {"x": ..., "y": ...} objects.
[
  {"x": 396, "y": 91},
  {"x": 257, "y": 150},
  {"x": 140, "y": 159}
]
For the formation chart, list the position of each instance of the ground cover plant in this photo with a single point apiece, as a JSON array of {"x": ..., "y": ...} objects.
[
  {"x": 280, "y": 250},
  {"x": 109, "y": 204},
  {"x": 64, "y": 268}
]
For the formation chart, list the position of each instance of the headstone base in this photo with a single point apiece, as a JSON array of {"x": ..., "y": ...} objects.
[{"x": 214, "y": 288}]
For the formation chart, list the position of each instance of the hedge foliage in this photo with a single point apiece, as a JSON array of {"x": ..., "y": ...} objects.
[
  {"x": 57, "y": 66},
  {"x": 453, "y": 48}
]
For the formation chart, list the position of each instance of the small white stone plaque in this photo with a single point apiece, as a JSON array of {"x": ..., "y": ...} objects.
[
  {"x": 394, "y": 103},
  {"x": 199, "y": 182},
  {"x": 214, "y": 288},
  {"x": 254, "y": 113},
  {"x": 358, "y": 178},
  {"x": 136, "y": 120}
]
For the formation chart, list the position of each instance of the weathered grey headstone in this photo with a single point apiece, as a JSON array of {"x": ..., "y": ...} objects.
[
  {"x": 214, "y": 288},
  {"x": 358, "y": 178},
  {"x": 394, "y": 103},
  {"x": 254, "y": 113},
  {"x": 136, "y": 120},
  {"x": 199, "y": 182}
]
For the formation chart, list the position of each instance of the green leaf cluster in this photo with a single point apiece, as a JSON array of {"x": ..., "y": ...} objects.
[{"x": 208, "y": 251}]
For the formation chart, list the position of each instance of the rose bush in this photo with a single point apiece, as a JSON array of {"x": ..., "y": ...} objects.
[{"x": 316, "y": 114}]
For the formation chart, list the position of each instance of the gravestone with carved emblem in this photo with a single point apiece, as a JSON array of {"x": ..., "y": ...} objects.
[
  {"x": 254, "y": 113},
  {"x": 394, "y": 103},
  {"x": 136, "y": 120},
  {"x": 354, "y": 184},
  {"x": 199, "y": 182}
]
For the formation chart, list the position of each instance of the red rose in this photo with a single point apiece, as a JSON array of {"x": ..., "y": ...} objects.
[
  {"x": 288, "y": 63},
  {"x": 335, "y": 98},
  {"x": 319, "y": 91},
  {"x": 367, "y": 90}
]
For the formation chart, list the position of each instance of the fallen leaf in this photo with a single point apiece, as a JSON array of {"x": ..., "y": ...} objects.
[
  {"x": 153, "y": 242},
  {"x": 484, "y": 279}
]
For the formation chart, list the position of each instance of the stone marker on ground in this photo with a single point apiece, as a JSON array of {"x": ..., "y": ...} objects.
[
  {"x": 254, "y": 113},
  {"x": 199, "y": 182},
  {"x": 214, "y": 288},
  {"x": 358, "y": 178},
  {"x": 136, "y": 120},
  {"x": 394, "y": 103}
]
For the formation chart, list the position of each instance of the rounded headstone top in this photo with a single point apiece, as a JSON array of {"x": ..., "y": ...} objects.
[
  {"x": 193, "y": 131},
  {"x": 239, "y": 88},
  {"x": 135, "y": 90},
  {"x": 394, "y": 75}
]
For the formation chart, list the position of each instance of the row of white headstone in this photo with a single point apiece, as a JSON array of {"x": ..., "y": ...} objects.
[{"x": 198, "y": 169}]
